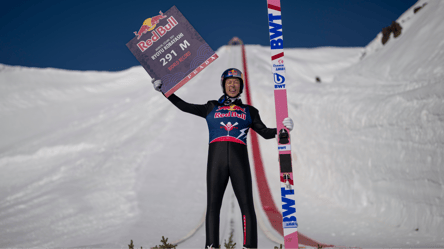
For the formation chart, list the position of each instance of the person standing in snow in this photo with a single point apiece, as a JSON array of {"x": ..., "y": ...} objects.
[{"x": 228, "y": 122}]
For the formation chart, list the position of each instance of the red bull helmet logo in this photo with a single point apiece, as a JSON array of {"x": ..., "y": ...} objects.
[
  {"x": 233, "y": 73},
  {"x": 149, "y": 24}
]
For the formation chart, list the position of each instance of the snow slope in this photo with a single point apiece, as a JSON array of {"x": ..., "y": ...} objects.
[{"x": 99, "y": 158}]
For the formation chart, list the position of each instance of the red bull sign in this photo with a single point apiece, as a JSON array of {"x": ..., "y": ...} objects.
[{"x": 170, "y": 49}]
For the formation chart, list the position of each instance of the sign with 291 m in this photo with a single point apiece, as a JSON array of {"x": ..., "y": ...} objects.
[{"x": 170, "y": 49}]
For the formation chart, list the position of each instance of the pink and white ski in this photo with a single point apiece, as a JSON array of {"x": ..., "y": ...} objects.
[{"x": 289, "y": 220}]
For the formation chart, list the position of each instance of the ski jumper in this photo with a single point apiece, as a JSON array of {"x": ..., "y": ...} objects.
[{"x": 228, "y": 127}]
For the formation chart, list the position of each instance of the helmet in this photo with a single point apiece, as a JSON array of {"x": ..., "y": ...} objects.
[{"x": 232, "y": 73}]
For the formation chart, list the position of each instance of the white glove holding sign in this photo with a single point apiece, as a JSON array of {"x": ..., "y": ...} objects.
[
  {"x": 288, "y": 123},
  {"x": 157, "y": 84}
]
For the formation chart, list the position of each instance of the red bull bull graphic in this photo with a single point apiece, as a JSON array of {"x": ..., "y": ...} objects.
[
  {"x": 149, "y": 24},
  {"x": 170, "y": 49},
  {"x": 231, "y": 108}
]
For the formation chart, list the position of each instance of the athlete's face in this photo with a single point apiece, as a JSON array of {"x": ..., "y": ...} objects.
[{"x": 232, "y": 87}]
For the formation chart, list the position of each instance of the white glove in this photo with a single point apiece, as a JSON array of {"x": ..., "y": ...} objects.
[
  {"x": 157, "y": 84},
  {"x": 288, "y": 123}
]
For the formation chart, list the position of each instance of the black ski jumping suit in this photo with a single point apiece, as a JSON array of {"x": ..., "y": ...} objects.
[{"x": 228, "y": 158}]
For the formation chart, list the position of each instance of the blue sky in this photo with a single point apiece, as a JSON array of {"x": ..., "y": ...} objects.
[{"x": 91, "y": 35}]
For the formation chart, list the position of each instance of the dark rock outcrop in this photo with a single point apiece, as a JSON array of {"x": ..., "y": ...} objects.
[{"x": 395, "y": 28}]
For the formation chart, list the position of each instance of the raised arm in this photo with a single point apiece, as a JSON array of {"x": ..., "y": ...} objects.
[{"x": 199, "y": 110}]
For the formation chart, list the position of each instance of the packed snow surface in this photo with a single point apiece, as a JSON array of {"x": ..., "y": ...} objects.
[{"x": 99, "y": 158}]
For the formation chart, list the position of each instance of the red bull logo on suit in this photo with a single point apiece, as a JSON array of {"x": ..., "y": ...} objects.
[
  {"x": 231, "y": 108},
  {"x": 232, "y": 112}
]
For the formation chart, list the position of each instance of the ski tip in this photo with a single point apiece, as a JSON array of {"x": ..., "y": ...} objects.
[{"x": 276, "y": 3}]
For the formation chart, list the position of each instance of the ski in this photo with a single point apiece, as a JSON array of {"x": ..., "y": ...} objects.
[{"x": 289, "y": 221}]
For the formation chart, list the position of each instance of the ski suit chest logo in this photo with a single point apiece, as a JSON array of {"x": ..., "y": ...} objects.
[
  {"x": 230, "y": 111},
  {"x": 229, "y": 123}
]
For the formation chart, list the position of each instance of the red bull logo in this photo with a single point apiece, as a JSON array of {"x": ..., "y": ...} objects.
[
  {"x": 231, "y": 108},
  {"x": 149, "y": 24},
  {"x": 233, "y": 73},
  {"x": 230, "y": 115},
  {"x": 157, "y": 33}
]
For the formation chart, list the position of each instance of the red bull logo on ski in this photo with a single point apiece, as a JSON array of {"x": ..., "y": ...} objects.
[{"x": 156, "y": 33}]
